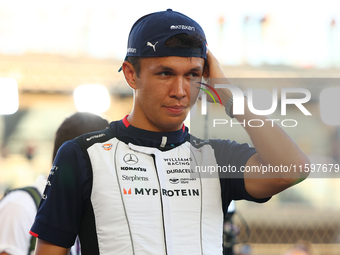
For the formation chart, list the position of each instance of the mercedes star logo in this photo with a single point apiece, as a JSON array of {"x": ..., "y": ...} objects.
[{"x": 130, "y": 159}]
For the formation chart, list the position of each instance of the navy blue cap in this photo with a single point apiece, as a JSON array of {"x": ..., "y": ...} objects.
[{"x": 149, "y": 33}]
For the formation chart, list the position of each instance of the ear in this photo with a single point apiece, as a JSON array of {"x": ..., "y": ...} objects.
[{"x": 130, "y": 74}]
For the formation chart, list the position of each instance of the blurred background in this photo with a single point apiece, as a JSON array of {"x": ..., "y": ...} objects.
[{"x": 54, "y": 53}]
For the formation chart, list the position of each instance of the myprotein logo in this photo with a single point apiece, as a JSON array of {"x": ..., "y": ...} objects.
[
  {"x": 127, "y": 192},
  {"x": 164, "y": 192}
]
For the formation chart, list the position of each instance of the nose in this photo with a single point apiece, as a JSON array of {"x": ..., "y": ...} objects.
[{"x": 178, "y": 88}]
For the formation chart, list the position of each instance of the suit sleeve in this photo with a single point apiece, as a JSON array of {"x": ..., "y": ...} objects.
[
  {"x": 235, "y": 156},
  {"x": 63, "y": 202}
]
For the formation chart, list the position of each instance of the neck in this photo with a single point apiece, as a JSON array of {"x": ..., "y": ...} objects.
[{"x": 143, "y": 123}]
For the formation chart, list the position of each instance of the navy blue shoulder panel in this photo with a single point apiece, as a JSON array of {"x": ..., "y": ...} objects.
[
  {"x": 231, "y": 155},
  {"x": 87, "y": 140},
  {"x": 197, "y": 142},
  {"x": 65, "y": 197},
  {"x": 232, "y": 185}
]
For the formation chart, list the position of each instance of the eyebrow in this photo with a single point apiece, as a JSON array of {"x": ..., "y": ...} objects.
[
  {"x": 199, "y": 68},
  {"x": 166, "y": 68}
]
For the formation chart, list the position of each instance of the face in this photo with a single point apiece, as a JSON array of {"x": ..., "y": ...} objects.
[{"x": 162, "y": 92}]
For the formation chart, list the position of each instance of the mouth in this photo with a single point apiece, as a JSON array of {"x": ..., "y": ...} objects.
[{"x": 175, "y": 109}]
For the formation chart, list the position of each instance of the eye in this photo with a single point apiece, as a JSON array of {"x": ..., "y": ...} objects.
[
  {"x": 194, "y": 75},
  {"x": 165, "y": 73}
]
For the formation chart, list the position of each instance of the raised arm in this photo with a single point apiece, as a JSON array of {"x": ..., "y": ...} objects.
[{"x": 274, "y": 147}]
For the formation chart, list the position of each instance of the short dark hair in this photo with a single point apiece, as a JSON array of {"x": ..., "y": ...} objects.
[
  {"x": 176, "y": 41},
  {"x": 76, "y": 125}
]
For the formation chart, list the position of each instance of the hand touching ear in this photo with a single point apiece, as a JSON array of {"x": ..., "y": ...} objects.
[{"x": 212, "y": 68}]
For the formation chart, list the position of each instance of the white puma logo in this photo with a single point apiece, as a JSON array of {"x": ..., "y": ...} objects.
[{"x": 153, "y": 46}]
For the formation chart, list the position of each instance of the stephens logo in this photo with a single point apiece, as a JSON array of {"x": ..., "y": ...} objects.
[
  {"x": 130, "y": 159},
  {"x": 134, "y": 178}
]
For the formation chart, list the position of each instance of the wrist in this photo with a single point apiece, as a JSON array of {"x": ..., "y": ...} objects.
[
  {"x": 225, "y": 94},
  {"x": 229, "y": 107}
]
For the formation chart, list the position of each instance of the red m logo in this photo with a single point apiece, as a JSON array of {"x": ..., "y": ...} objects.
[{"x": 127, "y": 192}]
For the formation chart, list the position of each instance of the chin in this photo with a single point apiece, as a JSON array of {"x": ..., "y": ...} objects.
[{"x": 173, "y": 125}]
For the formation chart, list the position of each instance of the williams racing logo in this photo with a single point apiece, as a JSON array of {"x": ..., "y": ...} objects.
[{"x": 177, "y": 161}]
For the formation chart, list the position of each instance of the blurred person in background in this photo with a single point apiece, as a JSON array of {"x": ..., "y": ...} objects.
[
  {"x": 18, "y": 208},
  {"x": 300, "y": 248},
  {"x": 230, "y": 231},
  {"x": 244, "y": 249},
  {"x": 120, "y": 189}
]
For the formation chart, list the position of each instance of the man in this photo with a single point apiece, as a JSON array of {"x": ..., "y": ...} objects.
[
  {"x": 18, "y": 209},
  {"x": 117, "y": 188}
]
